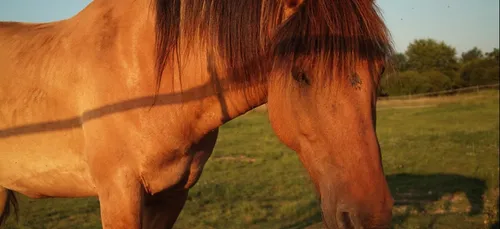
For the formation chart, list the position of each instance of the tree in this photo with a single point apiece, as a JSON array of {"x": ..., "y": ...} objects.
[
  {"x": 400, "y": 62},
  {"x": 473, "y": 54},
  {"x": 480, "y": 72},
  {"x": 493, "y": 54},
  {"x": 430, "y": 55}
]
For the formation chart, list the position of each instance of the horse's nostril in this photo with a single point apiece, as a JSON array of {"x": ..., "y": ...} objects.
[{"x": 345, "y": 221}]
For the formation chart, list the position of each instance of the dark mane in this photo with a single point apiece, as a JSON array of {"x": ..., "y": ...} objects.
[
  {"x": 334, "y": 35},
  {"x": 338, "y": 32}
]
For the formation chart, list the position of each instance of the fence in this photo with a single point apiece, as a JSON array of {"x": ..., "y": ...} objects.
[{"x": 438, "y": 93}]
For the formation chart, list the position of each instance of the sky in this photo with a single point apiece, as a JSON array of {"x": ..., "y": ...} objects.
[{"x": 463, "y": 24}]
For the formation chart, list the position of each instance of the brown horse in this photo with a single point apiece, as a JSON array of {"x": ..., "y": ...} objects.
[{"x": 123, "y": 101}]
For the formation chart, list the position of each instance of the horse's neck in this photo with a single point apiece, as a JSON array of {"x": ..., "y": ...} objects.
[
  {"x": 134, "y": 22},
  {"x": 220, "y": 99},
  {"x": 198, "y": 74},
  {"x": 219, "y": 96}
]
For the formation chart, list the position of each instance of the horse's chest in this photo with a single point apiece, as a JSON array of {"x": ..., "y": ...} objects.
[
  {"x": 179, "y": 172},
  {"x": 178, "y": 169},
  {"x": 196, "y": 167}
]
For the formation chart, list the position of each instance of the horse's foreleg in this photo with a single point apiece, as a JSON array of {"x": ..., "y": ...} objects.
[
  {"x": 120, "y": 198},
  {"x": 119, "y": 190},
  {"x": 3, "y": 204},
  {"x": 162, "y": 209},
  {"x": 3, "y": 199},
  {"x": 7, "y": 198}
]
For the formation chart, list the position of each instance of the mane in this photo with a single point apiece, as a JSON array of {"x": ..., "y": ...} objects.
[
  {"x": 335, "y": 35},
  {"x": 240, "y": 32}
]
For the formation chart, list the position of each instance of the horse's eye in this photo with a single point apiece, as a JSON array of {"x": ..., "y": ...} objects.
[{"x": 300, "y": 76}]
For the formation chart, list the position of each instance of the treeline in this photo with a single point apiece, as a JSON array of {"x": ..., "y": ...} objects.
[{"x": 430, "y": 66}]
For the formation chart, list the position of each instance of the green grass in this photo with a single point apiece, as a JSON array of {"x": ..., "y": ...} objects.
[{"x": 441, "y": 161}]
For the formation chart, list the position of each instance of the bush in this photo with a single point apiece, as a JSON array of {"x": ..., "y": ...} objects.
[
  {"x": 480, "y": 72},
  {"x": 438, "y": 81},
  {"x": 404, "y": 83}
]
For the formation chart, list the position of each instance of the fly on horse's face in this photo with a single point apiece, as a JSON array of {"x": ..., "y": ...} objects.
[{"x": 322, "y": 105}]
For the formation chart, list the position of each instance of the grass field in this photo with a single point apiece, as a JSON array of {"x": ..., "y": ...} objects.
[{"x": 440, "y": 156}]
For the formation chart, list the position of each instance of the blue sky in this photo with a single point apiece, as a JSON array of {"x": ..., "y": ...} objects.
[{"x": 460, "y": 23}]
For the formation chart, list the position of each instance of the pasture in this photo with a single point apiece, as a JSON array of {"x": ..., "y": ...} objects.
[{"x": 440, "y": 156}]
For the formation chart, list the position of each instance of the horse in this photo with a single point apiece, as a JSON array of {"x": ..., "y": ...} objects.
[{"x": 123, "y": 101}]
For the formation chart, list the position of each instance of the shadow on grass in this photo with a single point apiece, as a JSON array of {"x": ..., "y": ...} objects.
[
  {"x": 417, "y": 191},
  {"x": 497, "y": 225}
]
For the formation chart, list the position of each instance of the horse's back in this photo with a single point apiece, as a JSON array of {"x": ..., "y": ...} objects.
[{"x": 39, "y": 126}]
